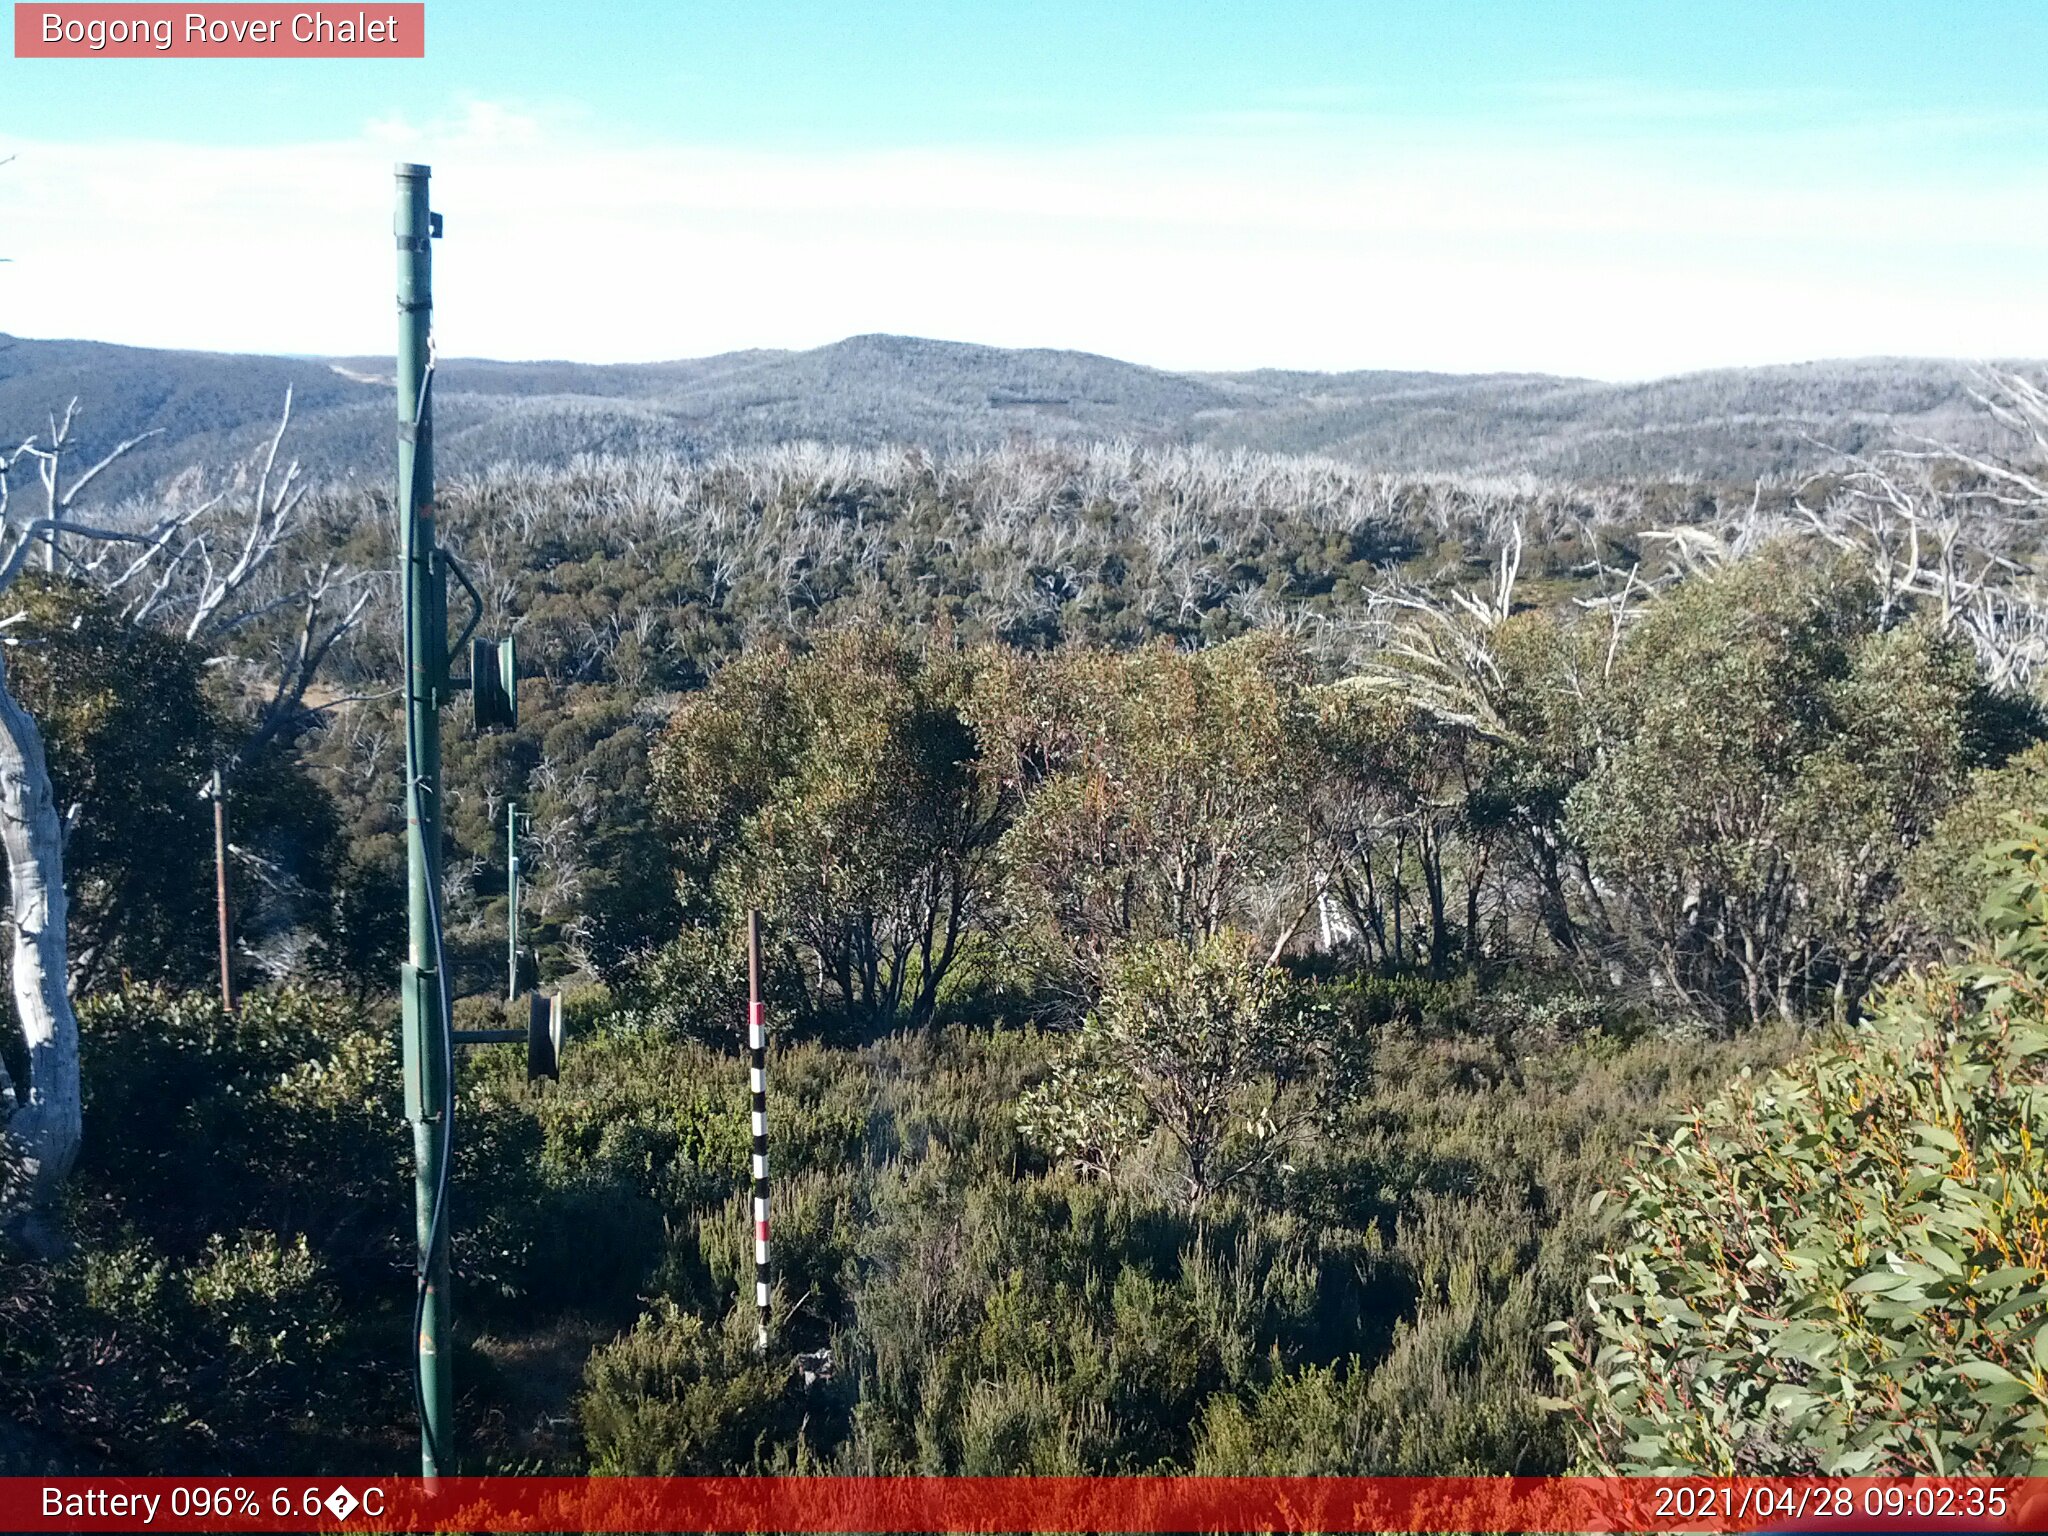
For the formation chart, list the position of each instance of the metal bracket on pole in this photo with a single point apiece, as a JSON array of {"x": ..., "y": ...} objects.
[
  {"x": 476, "y": 602},
  {"x": 420, "y": 1004}
]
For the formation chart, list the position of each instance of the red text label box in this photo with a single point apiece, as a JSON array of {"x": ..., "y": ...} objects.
[{"x": 242, "y": 31}]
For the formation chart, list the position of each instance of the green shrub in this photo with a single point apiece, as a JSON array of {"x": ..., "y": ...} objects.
[
  {"x": 137, "y": 1360},
  {"x": 281, "y": 1116},
  {"x": 678, "y": 1396},
  {"x": 1019, "y": 1427},
  {"x": 1206, "y": 1045},
  {"x": 842, "y": 791},
  {"x": 1308, "y": 1423},
  {"x": 694, "y": 987},
  {"x": 260, "y": 1295},
  {"x": 1943, "y": 890},
  {"x": 1843, "y": 1268},
  {"x": 236, "y": 1220}
]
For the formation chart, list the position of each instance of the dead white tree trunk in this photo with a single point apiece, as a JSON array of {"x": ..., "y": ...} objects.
[{"x": 44, "y": 1122}]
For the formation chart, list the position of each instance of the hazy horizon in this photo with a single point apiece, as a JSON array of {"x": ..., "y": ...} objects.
[{"x": 1137, "y": 362}]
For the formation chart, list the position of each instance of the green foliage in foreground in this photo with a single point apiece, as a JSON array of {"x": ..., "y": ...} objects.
[
  {"x": 239, "y": 1186},
  {"x": 1844, "y": 1268},
  {"x": 678, "y": 1393},
  {"x": 236, "y": 1278},
  {"x": 237, "y": 1290},
  {"x": 1374, "y": 1304}
]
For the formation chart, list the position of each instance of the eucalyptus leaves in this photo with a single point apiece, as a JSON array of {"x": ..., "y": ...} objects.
[{"x": 1843, "y": 1268}]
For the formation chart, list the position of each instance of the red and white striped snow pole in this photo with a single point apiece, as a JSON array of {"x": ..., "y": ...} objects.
[{"x": 757, "y": 1072}]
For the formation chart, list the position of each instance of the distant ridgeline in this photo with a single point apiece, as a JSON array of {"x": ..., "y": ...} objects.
[{"x": 1731, "y": 425}]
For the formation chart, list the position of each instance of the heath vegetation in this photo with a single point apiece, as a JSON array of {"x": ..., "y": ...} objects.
[{"x": 1273, "y": 968}]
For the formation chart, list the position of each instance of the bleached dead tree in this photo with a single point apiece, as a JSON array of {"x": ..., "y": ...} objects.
[
  {"x": 48, "y": 455},
  {"x": 42, "y": 1114},
  {"x": 1945, "y": 533},
  {"x": 221, "y": 576},
  {"x": 209, "y": 569},
  {"x": 1436, "y": 652}
]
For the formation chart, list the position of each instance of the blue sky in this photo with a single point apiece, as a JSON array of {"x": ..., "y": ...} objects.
[{"x": 1612, "y": 189}]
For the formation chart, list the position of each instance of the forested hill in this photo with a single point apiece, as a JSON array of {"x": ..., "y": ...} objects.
[{"x": 868, "y": 390}]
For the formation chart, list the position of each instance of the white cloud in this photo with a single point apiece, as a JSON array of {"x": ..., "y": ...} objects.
[{"x": 1339, "y": 244}]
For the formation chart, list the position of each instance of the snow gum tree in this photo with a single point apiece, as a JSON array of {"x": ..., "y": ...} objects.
[{"x": 212, "y": 565}]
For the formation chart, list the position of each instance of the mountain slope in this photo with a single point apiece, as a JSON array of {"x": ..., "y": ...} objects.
[{"x": 868, "y": 390}]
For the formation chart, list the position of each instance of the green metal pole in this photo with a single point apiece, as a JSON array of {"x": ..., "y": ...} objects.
[
  {"x": 426, "y": 1046},
  {"x": 512, "y": 900}
]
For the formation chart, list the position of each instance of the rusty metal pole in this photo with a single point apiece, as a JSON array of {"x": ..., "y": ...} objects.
[{"x": 220, "y": 892}]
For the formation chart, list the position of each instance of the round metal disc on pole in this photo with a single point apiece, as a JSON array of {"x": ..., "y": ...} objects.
[
  {"x": 543, "y": 1036},
  {"x": 493, "y": 690}
]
